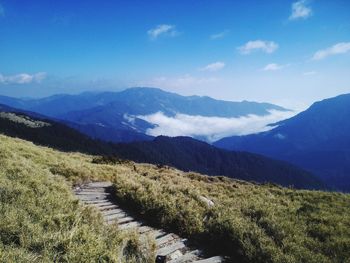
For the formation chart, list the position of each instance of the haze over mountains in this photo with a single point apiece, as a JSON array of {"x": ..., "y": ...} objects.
[
  {"x": 317, "y": 139},
  {"x": 183, "y": 153},
  {"x": 109, "y": 115}
]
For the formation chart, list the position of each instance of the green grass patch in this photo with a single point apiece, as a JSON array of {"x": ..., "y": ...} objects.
[{"x": 249, "y": 222}]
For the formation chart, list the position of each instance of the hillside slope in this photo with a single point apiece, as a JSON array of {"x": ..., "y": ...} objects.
[
  {"x": 48, "y": 133},
  {"x": 248, "y": 222},
  {"x": 188, "y": 154},
  {"x": 41, "y": 221},
  {"x": 316, "y": 139},
  {"x": 183, "y": 153}
]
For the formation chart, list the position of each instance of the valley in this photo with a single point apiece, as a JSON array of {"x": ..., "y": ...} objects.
[{"x": 174, "y": 131}]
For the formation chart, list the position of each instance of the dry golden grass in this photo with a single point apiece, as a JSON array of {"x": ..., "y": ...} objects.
[
  {"x": 249, "y": 222},
  {"x": 41, "y": 221}
]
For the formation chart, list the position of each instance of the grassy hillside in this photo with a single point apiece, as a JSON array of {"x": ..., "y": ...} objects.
[
  {"x": 49, "y": 133},
  {"x": 184, "y": 153},
  {"x": 188, "y": 154},
  {"x": 40, "y": 220},
  {"x": 249, "y": 222}
]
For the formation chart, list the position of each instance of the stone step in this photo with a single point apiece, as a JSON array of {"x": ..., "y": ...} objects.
[
  {"x": 160, "y": 242},
  {"x": 106, "y": 208},
  {"x": 99, "y": 184},
  {"x": 104, "y": 202},
  {"x": 90, "y": 198},
  {"x": 169, "y": 245},
  {"x": 216, "y": 259},
  {"x": 113, "y": 211},
  {"x": 91, "y": 189},
  {"x": 164, "y": 251},
  {"x": 145, "y": 229},
  {"x": 128, "y": 226},
  {"x": 92, "y": 193},
  {"x": 156, "y": 233},
  {"x": 98, "y": 202},
  {"x": 125, "y": 219},
  {"x": 113, "y": 217},
  {"x": 190, "y": 256}
]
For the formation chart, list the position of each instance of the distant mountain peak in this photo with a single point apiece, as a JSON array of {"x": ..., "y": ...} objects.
[
  {"x": 317, "y": 139},
  {"x": 142, "y": 103}
]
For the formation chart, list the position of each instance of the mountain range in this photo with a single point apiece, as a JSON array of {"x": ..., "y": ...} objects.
[
  {"x": 317, "y": 139},
  {"x": 114, "y": 116},
  {"x": 184, "y": 153}
]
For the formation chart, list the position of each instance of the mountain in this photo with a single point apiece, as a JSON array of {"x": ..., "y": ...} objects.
[
  {"x": 117, "y": 113},
  {"x": 109, "y": 134},
  {"x": 188, "y": 154},
  {"x": 43, "y": 131},
  {"x": 141, "y": 101},
  {"x": 182, "y": 152},
  {"x": 317, "y": 139}
]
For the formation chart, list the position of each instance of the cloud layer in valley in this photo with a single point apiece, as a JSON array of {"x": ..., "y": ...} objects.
[{"x": 211, "y": 128}]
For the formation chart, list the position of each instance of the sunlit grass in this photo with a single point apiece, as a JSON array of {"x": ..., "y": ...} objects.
[
  {"x": 249, "y": 222},
  {"x": 41, "y": 221}
]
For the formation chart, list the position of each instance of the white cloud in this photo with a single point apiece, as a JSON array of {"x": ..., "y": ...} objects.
[
  {"x": 309, "y": 73},
  {"x": 265, "y": 46},
  {"x": 273, "y": 67},
  {"x": 300, "y": 10},
  {"x": 213, "y": 66},
  {"x": 2, "y": 11},
  {"x": 22, "y": 78},
  {"x": 165, "y": 30},
  {"x": 212, "y": 128},
  {"x": 219, "y": 35},
  {"x": 339, "y": 48}
]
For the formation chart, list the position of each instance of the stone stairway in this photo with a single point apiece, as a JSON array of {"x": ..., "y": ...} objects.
[{"x": 170, "y": 247}]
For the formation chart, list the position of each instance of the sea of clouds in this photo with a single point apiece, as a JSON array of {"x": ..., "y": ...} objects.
[{"x": 211, "y": 128}]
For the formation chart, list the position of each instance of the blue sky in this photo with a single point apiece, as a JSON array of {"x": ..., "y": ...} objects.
[{"x": 286, "y": 52}]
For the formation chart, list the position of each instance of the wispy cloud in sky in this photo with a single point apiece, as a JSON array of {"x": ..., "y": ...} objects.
[
  {"x": 213, "y": 66},
  {"x": 256, "y": 45},
  {"x": 2, "y": 10},
  {"x": 309, "y": 73},
  {"x": 162, "y": 30},
  {"x": 212, "y": 128},
  {"x": 273, "y": 67},
  {"x": 22, "y": 78},
  {"x": 340, "y": 48},
  {"x": 300, "y": 10},
  {"x": 219, "y": 35}
]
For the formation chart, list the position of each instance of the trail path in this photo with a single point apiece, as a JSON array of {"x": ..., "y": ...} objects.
[{"x": 170, "y": 247}]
